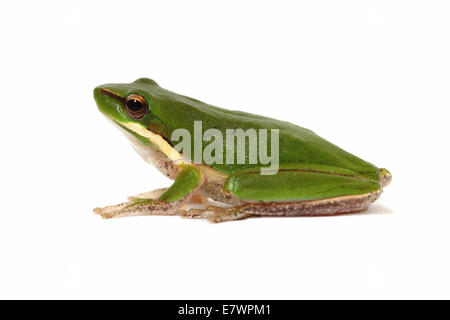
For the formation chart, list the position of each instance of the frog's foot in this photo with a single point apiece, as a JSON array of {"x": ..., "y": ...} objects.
[
  {"x": 217, "y": 214},
  {"x": 139, "y": 207},
  {"x": 215, "y": 211},
  {"x": 146, "y": 204}
]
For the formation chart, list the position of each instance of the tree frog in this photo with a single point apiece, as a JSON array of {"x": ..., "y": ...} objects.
[{"x": 311, "y": 177}]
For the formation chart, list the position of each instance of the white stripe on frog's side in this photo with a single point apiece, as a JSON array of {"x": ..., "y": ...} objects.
[{"x": 157, "y": 140}]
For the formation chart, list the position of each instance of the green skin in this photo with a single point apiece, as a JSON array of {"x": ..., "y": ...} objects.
[{"x": 310, "y": 167}]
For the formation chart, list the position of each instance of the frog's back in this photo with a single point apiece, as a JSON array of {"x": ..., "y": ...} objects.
[{"x": 297, "y": 145}]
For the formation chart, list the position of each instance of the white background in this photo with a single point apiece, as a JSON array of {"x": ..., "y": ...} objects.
[{"x": 371, "y": 76}]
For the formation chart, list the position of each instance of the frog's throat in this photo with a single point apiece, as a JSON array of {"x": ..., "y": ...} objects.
[{"x": 135, "y": 130}]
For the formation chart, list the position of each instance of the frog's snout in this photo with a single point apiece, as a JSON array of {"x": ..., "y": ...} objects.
[
  {"x": 108, "y": 101},
  {"x": 101, "y": 92},
  {"x": 97, "y": 92},
  {"x": 385, "y": 177}
]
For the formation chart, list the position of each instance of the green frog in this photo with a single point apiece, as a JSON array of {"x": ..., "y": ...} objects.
[{"x": 285, "y": 170}]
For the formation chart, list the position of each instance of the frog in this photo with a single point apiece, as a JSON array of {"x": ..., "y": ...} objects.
[{"x": 312, "y": 176}]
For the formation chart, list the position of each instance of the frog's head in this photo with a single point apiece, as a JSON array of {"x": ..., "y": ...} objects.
[
  {"x": 127, "y": 105},
  {"x": 133, "y": 107}
]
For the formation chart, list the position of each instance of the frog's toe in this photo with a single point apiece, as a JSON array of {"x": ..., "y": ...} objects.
[
  {"x": 111, "y": 211},
  {"x": 122, "y": 209}
]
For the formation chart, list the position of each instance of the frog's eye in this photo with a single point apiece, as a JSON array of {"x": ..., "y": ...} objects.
[{"x": 136, "y": 106}]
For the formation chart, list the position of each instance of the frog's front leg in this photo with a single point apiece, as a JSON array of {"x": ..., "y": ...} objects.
[{"x": 170, "y": 202}]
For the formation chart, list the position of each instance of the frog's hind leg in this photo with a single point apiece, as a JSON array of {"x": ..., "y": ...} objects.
[
  {"x": 218, "y": 214},
  {"x": 322, "y": 207}
]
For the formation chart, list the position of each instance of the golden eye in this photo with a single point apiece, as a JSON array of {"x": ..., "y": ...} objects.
[{"x": 136, "y": 106}]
